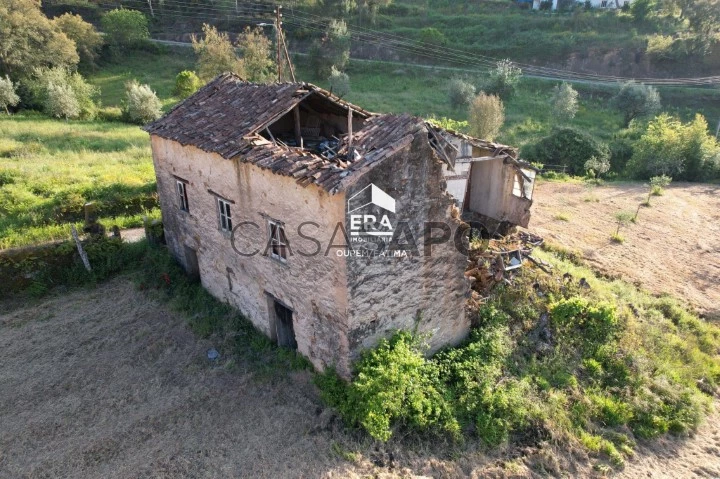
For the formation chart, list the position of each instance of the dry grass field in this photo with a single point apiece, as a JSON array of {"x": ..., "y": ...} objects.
[{"x": 673, "y": 247}]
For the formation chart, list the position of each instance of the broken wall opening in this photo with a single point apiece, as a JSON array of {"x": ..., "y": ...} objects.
[{"x": 316, "y": 124}]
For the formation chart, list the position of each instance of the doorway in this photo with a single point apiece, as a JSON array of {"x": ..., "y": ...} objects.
[
  {"x": 284, "y": 331},
  {"x": 192, "y": 268}
]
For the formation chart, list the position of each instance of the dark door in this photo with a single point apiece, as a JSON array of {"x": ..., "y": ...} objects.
[
  {"x": 191, "y": 263},
  {"x": 284, "y": 326}
]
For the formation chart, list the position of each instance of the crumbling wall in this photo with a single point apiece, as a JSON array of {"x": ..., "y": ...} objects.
[
  {"x": 491, "y": 193},
  {"x": 312, "y": 286},
  {"x": 423, "y": 293}
]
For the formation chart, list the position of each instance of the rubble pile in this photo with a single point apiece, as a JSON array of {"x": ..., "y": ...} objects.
[{"x": 500, "y": 260}]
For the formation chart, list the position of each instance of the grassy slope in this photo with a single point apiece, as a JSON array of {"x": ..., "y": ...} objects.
[{"x": 50, "y": 168}]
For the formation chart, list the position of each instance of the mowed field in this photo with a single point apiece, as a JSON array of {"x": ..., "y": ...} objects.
[{"x": 673, "y": 247}]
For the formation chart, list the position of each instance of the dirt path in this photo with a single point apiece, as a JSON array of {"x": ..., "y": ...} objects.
[
  {"x": 107, "y": 383},
  {"x": 673, "y": 248}
]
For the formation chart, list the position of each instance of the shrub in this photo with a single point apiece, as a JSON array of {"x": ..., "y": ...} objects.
[
  {"x": 503, "y": 79},
  {"x": 460, "y": 93},
  {"x": 564, "y": 102},
  {"x": 186, "y": 83},
  {"x": 125, "y": 28},
  {"x": 635, "y": 100},
  {"x": 486, "y": 116},
  {"x": 433, "y": 36},
  {"x": 215, "y": 53},
  {"x": 8, "y": 97},
  {"x": 141, "y": 104},
  {"x": 69, "y": 89},
  {"x": 578, "y": 321},
  {"x": 339, "y": 82},
  {"x": 569, "y": 147},
  {"x": 449, "y": 123},
  {"x": 596, "y": 167},
  {"x": 88, "y": 41},
  {"x": 669, "y": 147}
]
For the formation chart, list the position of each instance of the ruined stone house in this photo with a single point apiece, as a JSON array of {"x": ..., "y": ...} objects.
[{"x": 266, "y": 192}]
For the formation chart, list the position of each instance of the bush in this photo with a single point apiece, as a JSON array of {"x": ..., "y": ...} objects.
[
  {"x": 578, "y": 321},
  {"x": 8, "y": 97},
  {"x": 433, "y": 36},
  {"x": 88, "y": 41},
  {"x": 339, "y": 82},
  {"x": 71, "y": 97},
  {"x": 635, "y": 100},
  {"x": 141, "y": 104},
  {"x": 460, "y": 93},
  {"x": 503, "y": 79},
  {"x": 569, "y": 147},
  {"x": 125, "y": 28},
  {"x": 186, "y": 83},
  {"x": 596, "y": 167},
  {"x": 564, "y": 102},
  {"x": 670, "y": 147},
  {"x": 486, "y": 116}
]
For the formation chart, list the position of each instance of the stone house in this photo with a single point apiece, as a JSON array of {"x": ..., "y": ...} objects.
[{"x": 328, "y": 226}]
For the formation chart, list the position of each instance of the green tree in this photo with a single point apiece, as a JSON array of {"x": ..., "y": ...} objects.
[
  {"x": 186, "y": 83},
  {"x": 257, "y": 63},
  {"x": 87, "y": 39},
  {"x": 503, "y": 79},
  {"x": 125, "y": 28},
  {"x": 340, "y": 8},
  {"x": 460, "y": 92},
  {"x": 486, "y": 116},
  {"x": 8, "y": 97},
  {"x": 339, "y": 82},
  {"x": 564, "y": 102},
  {"x": 141, "y": 103},
  {"x": 28, "y": 40},
  {"x": 215, "y": 53},
  {"x": 642, "y": 9},
  {"x": 66, "y": 85},
  {"x": 635, "y": 100},
  {"x": 333, "y": 50}
]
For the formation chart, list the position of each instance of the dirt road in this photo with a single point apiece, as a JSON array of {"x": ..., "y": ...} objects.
[{"x": 674, "y": 247}]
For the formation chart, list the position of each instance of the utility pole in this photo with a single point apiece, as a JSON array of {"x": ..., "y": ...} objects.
[
  {"x": 278, "y": 39},
  {"x": 717, "y": 132}
]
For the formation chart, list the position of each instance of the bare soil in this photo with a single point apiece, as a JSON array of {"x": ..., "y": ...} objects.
[
  {"x": 108, "y": 382},
  {"x": 673, "y": 247}
]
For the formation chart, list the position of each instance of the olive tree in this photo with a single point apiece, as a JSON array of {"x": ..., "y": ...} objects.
[
  {"x": 215, "y": 53},
  {"x": 8, "y": 97},
  {"x": 636, "y": 100},
  {"x": 564, "y": 102},
  {"x": 141, "y": 103},
  {"x": 339, "y": 82}
]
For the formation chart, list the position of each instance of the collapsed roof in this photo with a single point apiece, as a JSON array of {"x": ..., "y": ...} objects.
[{"x": 235, "y": 118}]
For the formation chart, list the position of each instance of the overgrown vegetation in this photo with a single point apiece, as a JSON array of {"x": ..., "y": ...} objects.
[{"x": 598, "y": 366}]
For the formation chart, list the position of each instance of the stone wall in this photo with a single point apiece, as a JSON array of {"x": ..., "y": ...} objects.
[
  {"x": 313, "y": 287},
  {"x": 414, "y": 292}
]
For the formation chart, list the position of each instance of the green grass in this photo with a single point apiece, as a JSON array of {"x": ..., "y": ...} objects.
[{"x": 50, "y": 168}]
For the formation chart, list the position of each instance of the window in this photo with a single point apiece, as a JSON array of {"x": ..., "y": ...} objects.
[
  {"x": 182, "y": 195},
  {"x": 278, "y": 241},
  {"x": 225, "y": 216},
  {"x": 603, "y": 4},
  {"x": 524, "y": 183}
]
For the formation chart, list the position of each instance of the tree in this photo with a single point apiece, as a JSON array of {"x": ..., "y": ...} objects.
[
  {"x": 141, "y": 103},
  {"x": 125, "y": 28},
  {"x": 28, "y": 40},
  {"x": 186, "y": 83},
  {"x": 61, "y": 101},
  {"x": 568, "y": 147},
  {"x": 87, "y": 39},
  {"x": 339, "y": 82},
  {"x": 635, "y": 100},
  {"x": 8, "y": 97},
  {"x": 503, "y": 79},
  {"x": 657, "y": 184},
  {"x": 596, "y": 167},
  {"x": 256, "y": 64},
  {"x": 215, "y": 53},
  {"x": 486, "y": 116},
  {"x": 433, "y": 36},
  {"x": 333, "y": 50},
  {"x": 669, "y": 147},
  {"x": 641, "y": 9},
  {"x": 460, "y": 92},
  {"x": 622, "y": 218},
  {"x": 39, "y": 93},
  {"x": 564, "y": 102}
]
